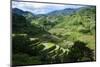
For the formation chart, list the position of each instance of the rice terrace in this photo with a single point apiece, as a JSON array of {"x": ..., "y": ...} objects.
[{"x": 52, "y": 33}]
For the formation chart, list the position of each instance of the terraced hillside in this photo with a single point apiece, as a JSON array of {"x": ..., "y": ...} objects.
[{"x": 54, "y": 37}]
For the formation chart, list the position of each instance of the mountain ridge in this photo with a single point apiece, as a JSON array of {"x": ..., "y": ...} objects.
[{"x": 55, "y": 12}]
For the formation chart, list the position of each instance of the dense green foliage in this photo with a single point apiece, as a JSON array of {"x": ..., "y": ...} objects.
[{"x": 46, "y": 39}]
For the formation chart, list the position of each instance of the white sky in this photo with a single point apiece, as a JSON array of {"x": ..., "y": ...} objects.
[{"x": 41, "y": 8}]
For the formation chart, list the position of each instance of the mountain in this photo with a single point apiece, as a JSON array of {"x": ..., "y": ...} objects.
[
  {"x": 18, "y": 11},
  {"x": 60, "y": 36},
  {"x": 21, "y": 12},
  {"x": 28, "y": 15},
  {"x": 66, "y": 11}
]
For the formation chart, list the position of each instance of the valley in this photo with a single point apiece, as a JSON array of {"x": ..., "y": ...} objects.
[{"x": 61, "y": 36}]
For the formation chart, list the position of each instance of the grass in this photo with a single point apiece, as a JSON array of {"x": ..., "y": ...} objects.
[{"x": 48, "y": 45}]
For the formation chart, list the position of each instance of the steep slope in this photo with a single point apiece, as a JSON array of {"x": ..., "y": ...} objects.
[
  {"x": 77, "y": 27},
  {"x": 28, "y": 15},
  {"x": 53, "y": 37}
]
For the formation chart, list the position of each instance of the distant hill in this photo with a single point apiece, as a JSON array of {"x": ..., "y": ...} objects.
[{"x": 66, "y": 11}]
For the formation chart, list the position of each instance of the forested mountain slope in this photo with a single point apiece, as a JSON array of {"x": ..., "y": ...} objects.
[{"x": 57, "y": 37}]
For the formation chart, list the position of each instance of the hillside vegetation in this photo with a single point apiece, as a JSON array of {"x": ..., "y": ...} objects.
[{"x": 56, "y": 37}]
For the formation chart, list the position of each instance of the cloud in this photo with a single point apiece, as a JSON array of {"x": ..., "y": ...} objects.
[{"x": 40, "y": 8}]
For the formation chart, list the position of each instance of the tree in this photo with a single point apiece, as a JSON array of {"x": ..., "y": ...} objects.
[
  {"x": 21, "y": 44},
  {"x": 79, "y": 52}
]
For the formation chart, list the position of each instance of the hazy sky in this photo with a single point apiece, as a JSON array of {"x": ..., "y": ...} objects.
[{"x": 41, "y": 8}]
